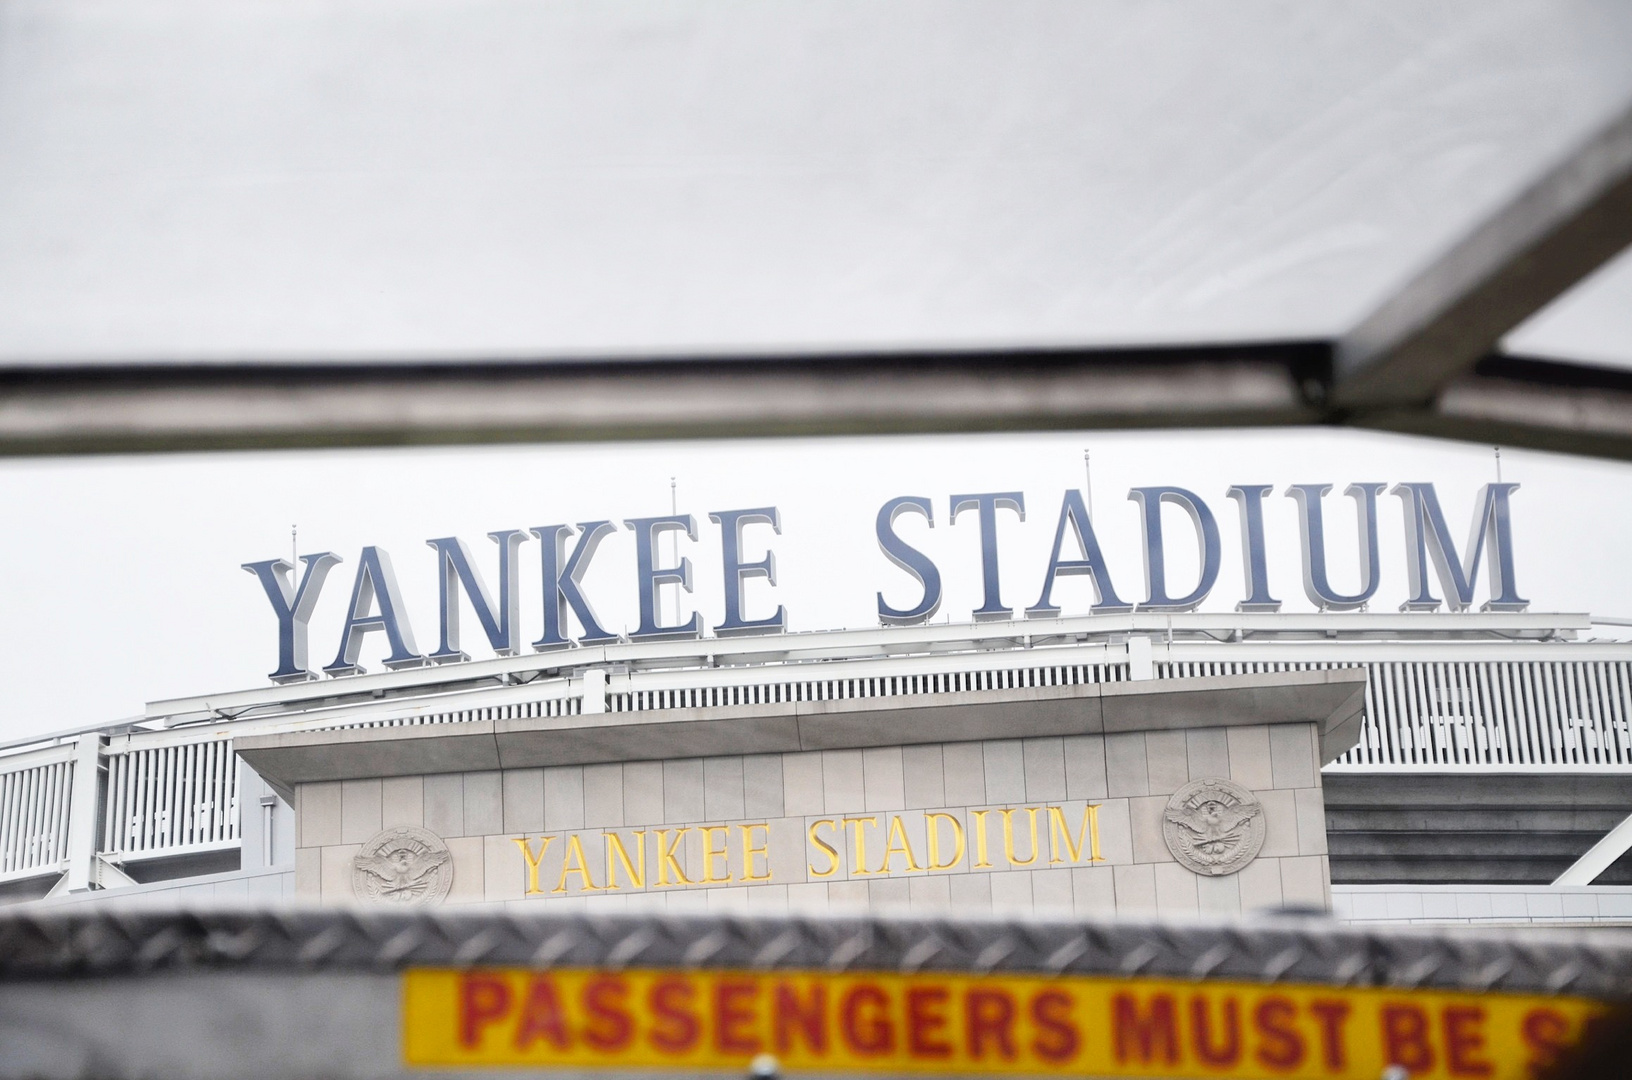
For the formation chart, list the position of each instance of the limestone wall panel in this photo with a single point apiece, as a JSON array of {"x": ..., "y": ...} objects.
[{"x": 780, "y": 831}]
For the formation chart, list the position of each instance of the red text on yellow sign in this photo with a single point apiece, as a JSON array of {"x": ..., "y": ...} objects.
[{"x": 951, "y": 1023}]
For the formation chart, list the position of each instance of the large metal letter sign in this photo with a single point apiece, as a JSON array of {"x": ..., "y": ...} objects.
[
  {"x": 1427, "y": 537},
  {"x": 987, "y": 505},
  {"x": 503, "y": 628},
  {"x": 1255, "y": 564},
  {"x": 1074, "y": 515},
  {"x": 910, "y": 559},
  {"x": 731, "y": 523},
  {"x": 375, "y": 582},
  {"x": 563, "y": 583},
  {"x": 377, "y": 605},
  {"x": 1312, "y": 525},
  {"x": 293, "y": 608},
  {"x": 649, "y": 577},
  {"x": 1151, "y": 500}
]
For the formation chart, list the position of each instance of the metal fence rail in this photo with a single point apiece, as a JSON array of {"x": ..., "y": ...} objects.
[
  {"x": 35, "y": 792},
  {"x": 1551, "y": 714},
  {"x": 555, "y": 705},
  {"x": 171, "y": 798},
  {"x": 1519, "y": 714},
  {"x": 1544, "y": 714}
]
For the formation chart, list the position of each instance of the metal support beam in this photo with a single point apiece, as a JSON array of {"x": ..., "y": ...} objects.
[
  {"x": 110, "y": 876},
  {"x": 1585, "y": 870},
  {"x": 163, "y": 407},
  {"x": 1561, "y": 228},
  {"x": 1518, "y": 401},
  {"x": 1542, "y": 404}
]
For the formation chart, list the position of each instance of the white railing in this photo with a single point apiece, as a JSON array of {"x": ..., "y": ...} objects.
[
  {"x": 1544, "y": 714},
  {"x": 1541, "y": 714},
  {"x": 945, "y": 640},
  {"x": 35, "y": 793},
  {"x": 171, "y": 798},
  {"x": 530, "y": 705},
  {"x": 1420, "y": 714},
  {"x": 780, "y": 689}
]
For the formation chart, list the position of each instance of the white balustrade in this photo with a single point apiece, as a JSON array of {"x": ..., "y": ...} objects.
[
  {"x": 170, "y": 798},
  {"x": 35, "y": 791}
]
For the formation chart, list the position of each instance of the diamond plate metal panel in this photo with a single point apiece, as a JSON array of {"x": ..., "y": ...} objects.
[{"x": 107, "y": 941}]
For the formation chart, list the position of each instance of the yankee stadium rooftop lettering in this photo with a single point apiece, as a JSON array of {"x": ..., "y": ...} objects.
[{"x": 376, "y": 604}]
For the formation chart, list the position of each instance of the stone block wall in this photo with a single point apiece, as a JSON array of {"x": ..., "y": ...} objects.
[{"x": 757, "y": 814}]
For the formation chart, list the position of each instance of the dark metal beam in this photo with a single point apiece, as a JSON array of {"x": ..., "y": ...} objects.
[
  {"x": 1557, "y": 231},
  {"x": 164, "y": 407},
  {"x": 1518, "y": 401},
  {"x": 1542, "y": 404}
]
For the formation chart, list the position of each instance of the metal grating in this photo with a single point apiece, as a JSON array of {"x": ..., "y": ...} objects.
[
  {"x": 110, "y": 940},
  {"x": 1551, "y": 714},
  {"x": 554, "y": 706},
  {"x": 949, "y": 682},
  {"x": 1546, "y": 714}
]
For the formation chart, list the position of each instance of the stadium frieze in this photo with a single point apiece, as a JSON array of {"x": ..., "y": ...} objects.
[
  {"x": 846, "y": 847},
  {"x": 1204, "y": 820}
]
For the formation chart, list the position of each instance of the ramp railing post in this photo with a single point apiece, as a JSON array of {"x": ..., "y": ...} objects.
[{"x": 84, "y": 814}]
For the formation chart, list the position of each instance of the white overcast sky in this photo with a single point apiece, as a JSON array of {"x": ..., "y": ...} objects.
[{"x": 123, "y": 582}]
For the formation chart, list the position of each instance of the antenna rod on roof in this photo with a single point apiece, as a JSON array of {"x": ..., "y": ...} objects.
[
  {"x": 1088, "y": 478},
  {"x": 1498, "y": 450}
]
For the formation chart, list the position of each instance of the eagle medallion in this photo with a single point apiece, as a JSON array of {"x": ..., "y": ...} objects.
[
  {"x": 402, "y": 865},
  {"x": 1213, "y": 826}
]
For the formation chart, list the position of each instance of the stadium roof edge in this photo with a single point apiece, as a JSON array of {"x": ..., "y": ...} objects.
[{"x": 817, "y": 646}]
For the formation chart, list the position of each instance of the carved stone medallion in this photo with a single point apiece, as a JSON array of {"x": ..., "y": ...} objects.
[
  {"x": 402, "y": 865},
  {"x": 1213, "y": 826}
]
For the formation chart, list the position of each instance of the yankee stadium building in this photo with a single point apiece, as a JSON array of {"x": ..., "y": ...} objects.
[{"x": 1447, "y": 762}]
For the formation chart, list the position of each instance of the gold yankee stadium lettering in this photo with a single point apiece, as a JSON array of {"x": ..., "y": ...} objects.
[{"x": 869, "y": 845}]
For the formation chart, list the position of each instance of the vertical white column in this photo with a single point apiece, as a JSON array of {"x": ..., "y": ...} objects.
[
  {"x": 262, "y": 821},
  {"x": 84, "y": 813},
  {"x": 269, "y": 841},
  {"x": 594, "y": 690},
  {"x": 1140, "y": 663},
  {"x": 255, "y": 829}
]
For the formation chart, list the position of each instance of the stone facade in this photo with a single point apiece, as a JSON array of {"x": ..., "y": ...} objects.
[{"x": 784, "y": 826}]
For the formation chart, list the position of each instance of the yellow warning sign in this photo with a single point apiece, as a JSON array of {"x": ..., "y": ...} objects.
[{"x": 955, "y": 1023}]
